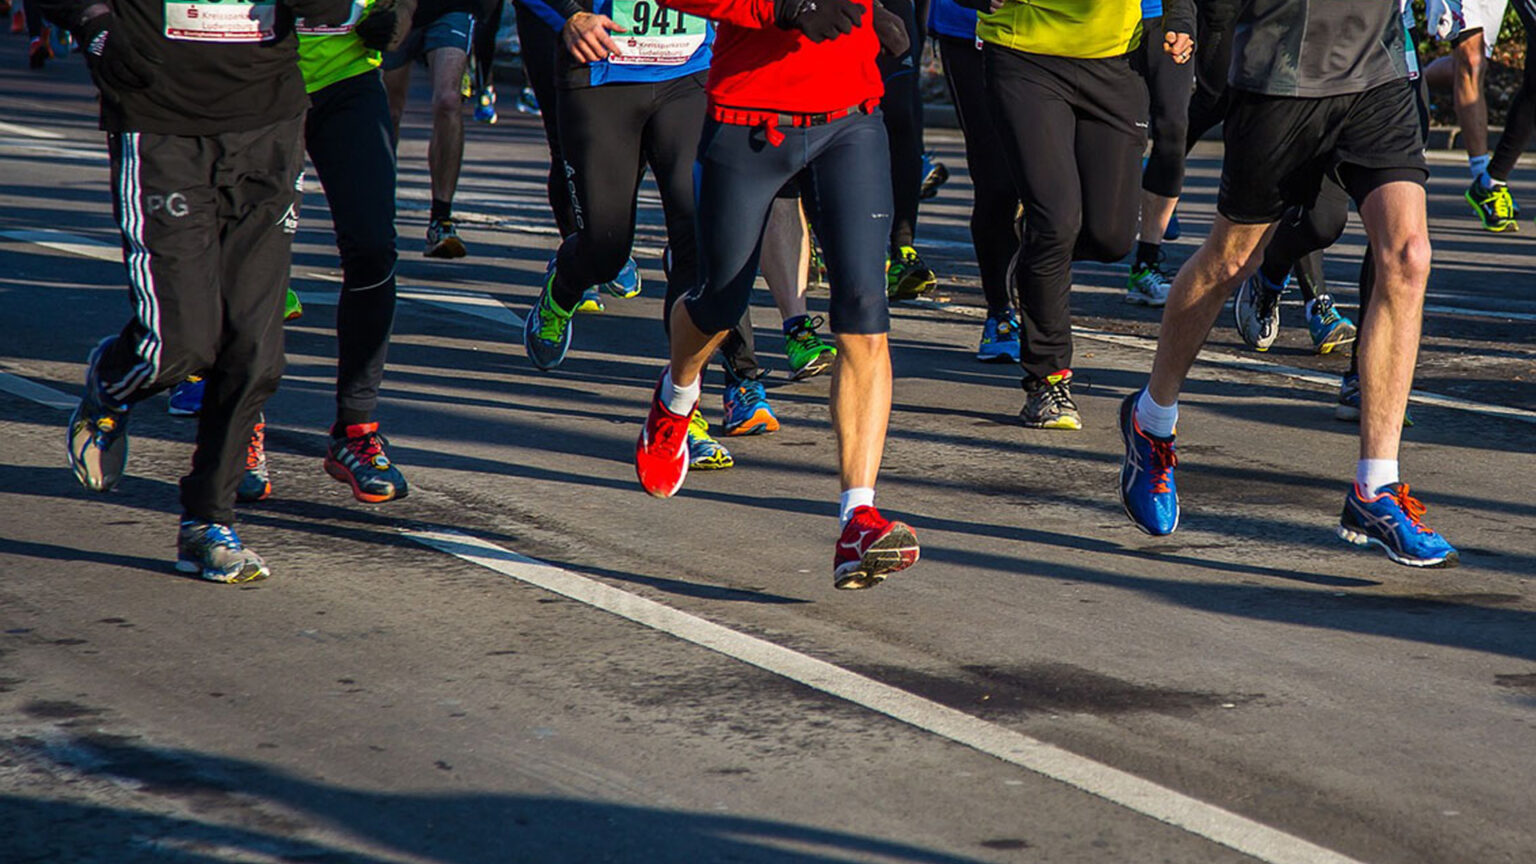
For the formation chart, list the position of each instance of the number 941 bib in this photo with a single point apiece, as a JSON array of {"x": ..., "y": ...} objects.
[
  {"x": 656, "y": 35},
  {"x": 221, "y": 20}
]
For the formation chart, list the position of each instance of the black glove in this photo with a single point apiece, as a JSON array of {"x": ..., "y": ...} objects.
[
  {"x": 819, "y": 20},
  {"x": 115, "y": 65},
  {"x": 891, "y": 31},
  {"x": 377, "y": 29}
]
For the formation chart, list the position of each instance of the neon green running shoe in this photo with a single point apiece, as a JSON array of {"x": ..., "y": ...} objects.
[
  {"x": 808, "y": 354},
  {"x": 704, "y": 452},
  {"x": 1494, "y": 206},
  {"x": 907, "y": 277},
  {"x": 292, "y": 308}
]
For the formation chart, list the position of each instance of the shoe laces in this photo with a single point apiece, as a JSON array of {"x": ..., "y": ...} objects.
[
  {"x": 1503, "y": 202},
  {"x": 1164, "y": 459},
  {"x": 368, "y": 448},
  {"x": 805, "y": 332},
  {"x": 218, "y": 534},
  {"x": 751, "y": 391},
  {"x": 1324, "y": 311},
  {"x": 1267, "y": 300},
  {"x": 1412, "y": 507},
  {"x": 256, "y": 451},
  {"x": 1058, "y": 395},
  {"x": 551, "y": 323}
]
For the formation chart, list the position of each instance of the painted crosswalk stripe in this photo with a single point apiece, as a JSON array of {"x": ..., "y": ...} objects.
[
  {"x": 26, "y": 388},
  {"x": 73, "y": 244}
]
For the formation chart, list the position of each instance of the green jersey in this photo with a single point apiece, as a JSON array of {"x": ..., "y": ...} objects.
[{"x": 331, "y": 54}]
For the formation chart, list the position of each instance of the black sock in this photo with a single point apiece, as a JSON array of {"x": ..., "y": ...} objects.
[
  {"x": 441, "y": 209},
  {"x": 1147, "y": 253}
]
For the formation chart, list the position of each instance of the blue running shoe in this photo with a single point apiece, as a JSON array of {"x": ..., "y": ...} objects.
[
  {"x": 747, "y": 411},
  {"x": 999, "y": 339},
  {"x": 527, "y": 102},
  {"x": 1329, "y": 328},
  {"x": 485, "y": 106},
  {"x": 547, "y": 330},
  {"x": 627, "y": 283},
  {"x": 98, "y": 431},
  {"x": 214, "y": 552},
  {"x": 186, "y": 397},
  {"x": 1348, "y": 407},
  {"x": 1392, "y": 519},
  {"x": 1173, "y": 231},
  {"x": 1147, "y": 490}
]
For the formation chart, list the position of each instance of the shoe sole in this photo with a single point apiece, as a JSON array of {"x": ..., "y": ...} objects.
[
  {"x": 452, "y": 247},
  {"x": 248, "y": 573},
  {"x": 914, "y": 293},
  {"x": 894, "y": 552},
  {"x": 1129, "y": 442},
  {"x": 341, "y": 474},
  {"x": 997, "y": 358},
  {"x": 180, "y": 412},
  {"x": 1070, "y": 424},
  {"x": 1341, "y": 336},
  {"x": 813, "y": 368},
  {"x": 757, "y": 424},
  {"x": 1358, "y": 538},
  {"x": 1495, "y": 228}
]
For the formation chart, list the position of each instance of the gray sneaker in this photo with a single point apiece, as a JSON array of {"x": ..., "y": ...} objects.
[
  {"x": 98, "y": 431},
  {"x": 1048, "y": 403},
  {"x": 214, "y": 552},
  {"x": 1256, "y": 310}
]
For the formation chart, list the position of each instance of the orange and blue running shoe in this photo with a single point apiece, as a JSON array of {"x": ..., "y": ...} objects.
[
  {"x": 1393, "y": 520},
  {"x": 357, "y": 458},
  {"x": 1147, "y": 490},
  {"x": 747, "y": 411}
]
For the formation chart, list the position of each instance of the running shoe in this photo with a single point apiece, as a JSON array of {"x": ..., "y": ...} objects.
[
  {"x": 98, "y": 431},
  {"x": 1348, "y": 408},
  {"x": 662, "y": 451},
  {"x": 907, "y": 277},
  {"x": 1329, "y": 328},
  {"x": 547, "y": 329},
  {"x": 816, "y": 270},
  {"x": 1494, "y": 206},
  {"x": 1173, "y": 231},
  {"x": 527, "y": 102},
  {"x": 39, "y": 52},
  {"x": 443, "y": 240},
  {"x": 935, "y": 173},
  {"x": 1048, "y": 403},
  {"x": 293, "y": 310},
  {"x": 214, "y": 552},
  {"x": 627, "y": 283},
  {"x": 704, "y": 452},
  {"x": 747, "y": 411},
  {"x": 255, "y": 483},
  {"x": 186, "y": 398},
  {"x": 1148, "y": 284},
  {"x": 871, "y": 548},
  {"x": 18, "y": 21},
  {"x": 808, "y": 355},
  {"x": 1147, "y": 491},
  {"x": 591, "y": 301},
  {"x": 999, "y": 338},
  {"x": 359, "y": 460},
  {"x": 466, "y": 87},
  {"x": 1393, "y": 520},
  {"x": 485, "y": 106},
  {"x": 1256, "y": 311}
]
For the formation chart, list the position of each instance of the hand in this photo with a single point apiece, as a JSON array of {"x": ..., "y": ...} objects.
[
  {"x": 819, "y": 20},
  {"x": 586, "y": 36},
  {"x": 891, "y": 31},
  {"x": 1179, "y": 46},
  {"x": 377, "y": 29},
  {"x": 115, "y": 66},
  {"x": 1445, "y": 18}
]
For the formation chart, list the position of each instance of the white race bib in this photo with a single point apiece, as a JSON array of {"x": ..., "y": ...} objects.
[
  {"x": 657, "y": 36},
  {"x": 221, "y": 20}
]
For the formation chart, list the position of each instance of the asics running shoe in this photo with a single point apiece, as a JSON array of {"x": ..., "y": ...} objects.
[
  {"x": 1329, "y": 327},
  {"x": 1256, "y": 311},
  {"x": 808, "y": 355},
  {"x": 485, "y": 106},
  {"x": 547, "y": 329},
  {"x": 1148, "y": 285},
  {"x": 1147, "y": 491},
  {"x": 1048, "y": 402},
  {"x": 591, "y": 301},
  {"x": 747, "y": 411},
  {"x": 293, "y": 310},
  {"x": 999, "y": 338},
  {"x": 627, "y": 283},
  {"x": 443, "y": 240},
  {"x": 359, "y": 459},
  {"x": 255, "y": 483},
  {"x": 214, "y": 552},
  {"x": 1393, "y": 520},
  {"x": 907, "y": 277},
  {"x": 1494, "y": 206},
  {"x": 704, "y": 452},
  {"x": 1348, "y": 407},
  {"x": 186, "y": 398},
  {"x": 98, "y": 430},
  {"x": 935, "y": 174},
  {"x": 871, "y": 548},
  {"x": 662, "y": 452}
]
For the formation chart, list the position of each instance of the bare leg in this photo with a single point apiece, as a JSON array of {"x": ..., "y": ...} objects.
[
  {"x": 786, "y": 255},
  {"x": 861, "y": 406},
  {"x": 1395, "y": 221},
  {"x": 446, "y": 153},
  {"x": 1156, "y": 211},
  {"x": 691, "y": 347},
  {"x": 1467, "y": 89},
  {"x": 1230, "y": 254}
]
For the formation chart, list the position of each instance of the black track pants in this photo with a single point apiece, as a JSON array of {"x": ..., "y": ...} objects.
[
  {"x": 1214, "y": 22},
  {"x": 207, "y": 225},
  {"x": 1168, "y": 84},
  {"x": 1521, "y": 121},
  {"x": 994, "y": 199},
  {"x": 902, "y": 109},
  {"x": 1071, "y": 131},
  {"x": 347, "y": 133},
  {"x": 539, "y": 44}
]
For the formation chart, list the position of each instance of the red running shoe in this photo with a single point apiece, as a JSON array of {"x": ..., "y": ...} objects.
[
  {"x": 871, "y": 548},
  {"x": 661, "y": 454}
]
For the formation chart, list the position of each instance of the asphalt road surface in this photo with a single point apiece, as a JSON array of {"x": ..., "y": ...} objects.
[{"x": 529, "y": 660}]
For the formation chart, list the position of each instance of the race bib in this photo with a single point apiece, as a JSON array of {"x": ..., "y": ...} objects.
[
  {"x": 221, "y": 20},
  {"x": 657, "y": 36},
  {"x": 358, "y": 8}
]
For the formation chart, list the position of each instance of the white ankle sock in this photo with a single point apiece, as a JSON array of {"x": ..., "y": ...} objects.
[
  {"x": 858, "y": 496},
  {"x": 1478, "y": 165},
  {"x": 677, "y": 398},
  {"x": 1372, "y": 474},
  {"x": 1156, "y": 419}
]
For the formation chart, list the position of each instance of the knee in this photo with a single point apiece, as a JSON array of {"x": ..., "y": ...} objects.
[
  {"x": 447, "y": 104},
  {"x": 1106, "y": 242},
  {"x": 367, "y": 268},
  {"x": 1407, "y": 261},
  {"x": 1469, "y": 57}
]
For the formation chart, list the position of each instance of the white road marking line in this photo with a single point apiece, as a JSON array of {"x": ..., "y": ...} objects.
[
  {"x": 86, "y": 247},
  {"x": 1127, "y": 790},
  {"x": 30, "y": 132},
  {"x": 476, "y": 303},
  {"x": 26, "y": 388},
  {"x": 1479, "y": 313}
]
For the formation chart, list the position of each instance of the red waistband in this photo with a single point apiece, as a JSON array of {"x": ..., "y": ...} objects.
[{"x": 772, "y": 120}]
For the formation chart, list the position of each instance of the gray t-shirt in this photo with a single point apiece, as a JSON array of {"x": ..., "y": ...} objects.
[{"x": 1315, "y": 48}]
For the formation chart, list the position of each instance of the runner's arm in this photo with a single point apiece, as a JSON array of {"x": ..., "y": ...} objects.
[
  {"x": 545, "y": 13},
  {"x": 1179, "y": 29}
]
